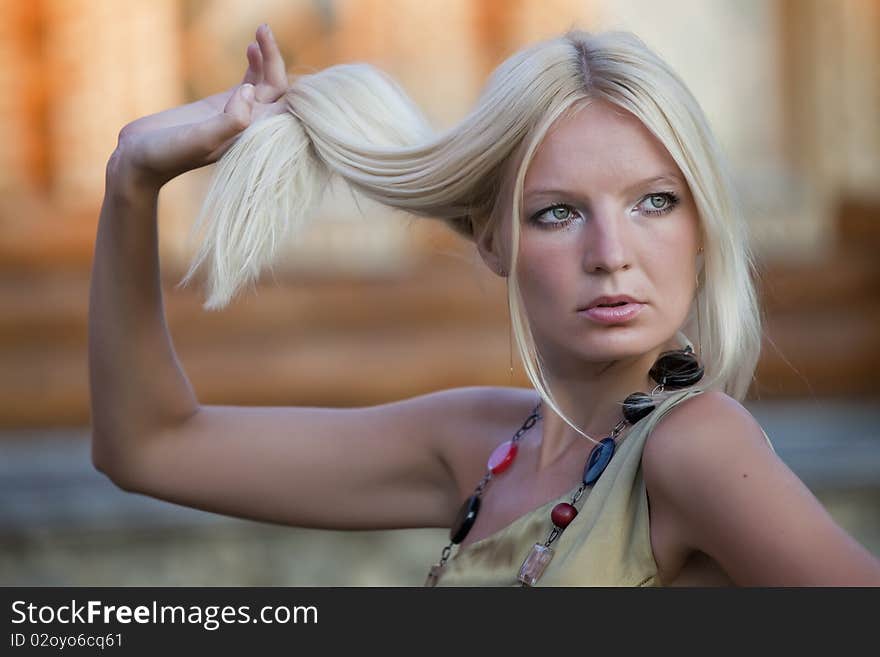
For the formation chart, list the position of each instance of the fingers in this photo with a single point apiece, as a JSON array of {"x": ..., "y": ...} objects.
[
  {"x": 236, "y": 115},
  {"x": 218, "y": 133},
  {"x": 241, "y": 104},
  {"x": 254, "y": 74},
  {"x": 266, "y": 69},
  {"x": 210, "y": 139},
  {"x": 274, "y": 72}
]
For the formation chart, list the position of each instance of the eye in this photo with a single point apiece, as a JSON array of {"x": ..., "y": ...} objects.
[
  {"x": 558, "y": 216},
  {"x": 658, "y": 203},
  {"x": 561, "y": 213}
]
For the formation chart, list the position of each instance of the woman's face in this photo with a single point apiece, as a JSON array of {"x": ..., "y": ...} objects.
[{"x": 605, "y": 211}]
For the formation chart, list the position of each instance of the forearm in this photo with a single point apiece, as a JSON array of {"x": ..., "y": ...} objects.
[{"x": 137, "y": 385}]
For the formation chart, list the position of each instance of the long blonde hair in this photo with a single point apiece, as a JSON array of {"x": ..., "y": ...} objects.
[{"x": 355, "y": 122}]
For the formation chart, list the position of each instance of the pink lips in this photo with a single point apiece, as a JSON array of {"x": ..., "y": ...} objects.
[{"x": 613, "y": 314}]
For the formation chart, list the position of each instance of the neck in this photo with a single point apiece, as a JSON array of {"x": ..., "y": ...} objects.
[{"x": 592, "y": 401}]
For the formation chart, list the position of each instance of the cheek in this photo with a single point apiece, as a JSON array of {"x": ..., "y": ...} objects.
[
  {"x": 546, "y": 284},
  {"x": 685, "y": 286},
  {"x": 675, "y": 277},
  {"x": 544, "y": 268},
  {"x": 675, "y": 255},
  {"x": 535, "y": 280}
]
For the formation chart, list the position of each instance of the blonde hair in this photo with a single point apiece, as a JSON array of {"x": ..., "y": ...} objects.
[{"x": 354, "y": 122}]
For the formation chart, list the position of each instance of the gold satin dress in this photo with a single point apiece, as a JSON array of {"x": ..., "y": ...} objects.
[{"x": 607, "y": 544}]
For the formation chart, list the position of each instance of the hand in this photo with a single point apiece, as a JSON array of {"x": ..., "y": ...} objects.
[{"x": 157, "y": 148}]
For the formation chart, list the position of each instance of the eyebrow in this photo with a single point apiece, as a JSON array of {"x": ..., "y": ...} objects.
[{"x": 667, "y": 178}]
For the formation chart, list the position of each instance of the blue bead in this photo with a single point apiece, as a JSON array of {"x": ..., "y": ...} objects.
[{"x": 599, "y": 459}]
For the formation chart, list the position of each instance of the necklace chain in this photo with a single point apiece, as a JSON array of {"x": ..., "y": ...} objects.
[
  {"x": 437, "y": 569},
  {"x": 673, "y": 369}
]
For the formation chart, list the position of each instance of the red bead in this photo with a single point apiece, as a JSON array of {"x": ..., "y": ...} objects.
[
  {"x": 562, "y": 514},
  {"x": 502, "y": 457}
]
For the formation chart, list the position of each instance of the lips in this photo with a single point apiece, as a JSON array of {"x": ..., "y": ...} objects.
[
  {"x": 611, "y": 314},
  {"x": 610, "y": 301}
]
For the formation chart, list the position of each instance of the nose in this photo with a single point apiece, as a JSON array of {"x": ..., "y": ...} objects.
[{"x": 605, "y": 247}]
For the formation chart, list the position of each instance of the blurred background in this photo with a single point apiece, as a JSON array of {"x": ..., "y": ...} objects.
[{"x": 369, "y": 306}]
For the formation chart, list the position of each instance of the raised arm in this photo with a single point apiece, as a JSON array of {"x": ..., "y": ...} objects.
[
  {"x": 137, "y": 386},
  {"x": 374, "y": 467}
]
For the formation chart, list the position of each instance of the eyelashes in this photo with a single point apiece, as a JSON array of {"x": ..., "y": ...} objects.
[
  {"x": 670, "y": 199},
  {"x": 563, "y": 214}
]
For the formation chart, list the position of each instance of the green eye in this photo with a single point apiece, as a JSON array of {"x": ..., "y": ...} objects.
[
  {"x": 556, "y": 216},
  {"x": 560, "y": 212},
  {"x": 658, "y": 201},
  {"x": 657, "y": 204}
]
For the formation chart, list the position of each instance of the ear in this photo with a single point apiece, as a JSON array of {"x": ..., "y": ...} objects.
[{"x": 489, "y": 247}]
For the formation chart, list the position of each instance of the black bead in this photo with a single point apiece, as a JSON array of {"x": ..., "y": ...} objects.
[
  {"x": 467, "y": 514},
  {"x": 634, "y": 413},
  {"x": 677, "y": 369},
  {"x": 599, "y": 459}
]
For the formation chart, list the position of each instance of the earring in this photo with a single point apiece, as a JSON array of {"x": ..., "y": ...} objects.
[{"x": 699, "y": 319}]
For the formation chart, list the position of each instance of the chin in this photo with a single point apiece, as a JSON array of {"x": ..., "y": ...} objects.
[
  {"x": 600, "y": 343},
  {"x": 601, "y": 351},
  {"x": 616, "y": 342}
]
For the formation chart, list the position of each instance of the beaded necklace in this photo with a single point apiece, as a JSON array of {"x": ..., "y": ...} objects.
[{"x": 675, "y": 369}]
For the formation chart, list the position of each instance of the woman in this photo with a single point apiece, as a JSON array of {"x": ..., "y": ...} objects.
[{"x": 588, "y": 178}]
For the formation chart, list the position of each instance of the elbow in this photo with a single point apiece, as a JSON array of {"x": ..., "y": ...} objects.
[
  {"x": 109, "y": 464},
  {"x": 100, "y": 460}
]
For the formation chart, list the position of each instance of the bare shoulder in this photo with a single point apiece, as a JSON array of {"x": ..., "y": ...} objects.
[
  {"x": 699, "y": 439},
  {"x": 725, "y": 493},
  {"x": 478, "y": 419},
  {"x": 469, "y": 410},
  {"x": 487, "y": 403},
  {"x": 698, "y": 434},
  {"x": 705, "y": 424}
]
